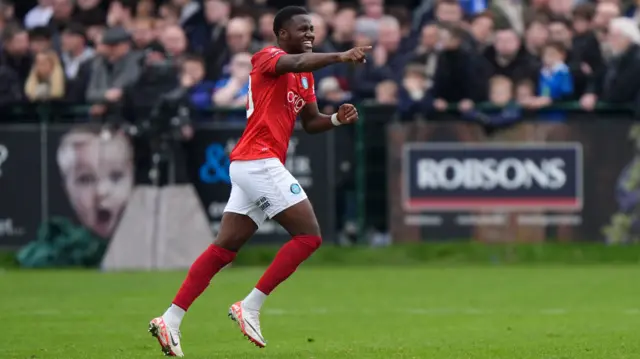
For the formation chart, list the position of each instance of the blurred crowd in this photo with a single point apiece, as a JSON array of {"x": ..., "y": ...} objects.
[{"x": 427, "y": 55}]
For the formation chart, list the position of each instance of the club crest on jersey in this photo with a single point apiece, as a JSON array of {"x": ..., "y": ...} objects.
[{"x": 305, "y": 83}]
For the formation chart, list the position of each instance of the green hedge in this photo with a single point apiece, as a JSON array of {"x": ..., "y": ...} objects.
[{"x": 459, "y": 253}]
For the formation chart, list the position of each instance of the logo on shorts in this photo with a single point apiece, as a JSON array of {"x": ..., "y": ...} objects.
[
  {"x": 295, "y": 188},
  {"x": 305, "y": 83},
  {"x": 263, "y": 203}
]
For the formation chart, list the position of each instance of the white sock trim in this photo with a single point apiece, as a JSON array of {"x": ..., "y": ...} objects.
[
  {"x": 254, "y": 300},
  {"x": 174, "y": 315}
]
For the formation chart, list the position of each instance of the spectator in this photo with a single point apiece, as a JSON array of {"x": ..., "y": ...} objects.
[
  {"x": 61, "y": 16},
  {"x": 113, "y": 71},
  {"x": 120, "y": 14},
  {"x": 453, "y": 81},
  {"x": 505, "y": 112},
  {"x": 76, "y": 59},
  {"x": 15, "y": 51},
  {"x": 216, "y": 14},
  {"x": 320, "y": 43},
  {"x": 11, "y": 87},
  {"x": 90, "y": 13},
  {"x": 536, "y": 37},
  {"x": 366, "y": 32},
  {"x": 343, "y": 29},
  {"x": 95, "y": 34},
  {"x": 583, "y": 57},
  {"x": 157, "y": 78},
  {"x": 327, "y": 9},
  {"x": 239, "y": 40},
  {"x": 191, "y": 21},
  {"x": 605, "y": 12},
  {"x": 331, "y": 94},
  {"x": 146, "y": 9},
  {"x": 265, "y": 28},
  {"x": 412, "y": 92},
  {"x": 619, "y": 83},
  {"x": 192, "y": 77},
  {"x": 449, "y": 12},
  {"x": 473, "y": 7},
  {"x": 143, "y": 33},
  {"x": 510, "y": 13},
  {"x": 7, "y": 10},
  {"x": 387, "y": 93},
  {"x": 372, "y": 9},
  {"x": 387, "y": 61},
  {"x": 482, "y": 30},
  {"x": 46, "y": 79},
  {"x": 40, "y": 39},
  {"x": 582, "y": 18},
  {"x": 174, "y": 42},
  {"x": 169, "y": 14},
  {"x": 39, "y": 15},
  {"x": 232, "y": 91},
  {"x": 555, "y": 81},
  {"x": 561, "y": 8},
  {"x": 509, "y": 58},
  {"x": 426, "y": 53}
]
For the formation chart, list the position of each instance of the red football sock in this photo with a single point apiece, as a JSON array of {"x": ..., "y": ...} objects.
[
  {"x": 289, "y": 257},
  {"x": 202, "y": 270}
]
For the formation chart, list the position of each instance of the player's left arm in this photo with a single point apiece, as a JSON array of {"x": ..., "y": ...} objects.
[{"x": 315, "y": 122}]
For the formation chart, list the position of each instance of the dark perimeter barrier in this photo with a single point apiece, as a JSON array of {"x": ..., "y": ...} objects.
[
  {"x": 65, "y": 185},
  {"x": 576, "y": 178}
]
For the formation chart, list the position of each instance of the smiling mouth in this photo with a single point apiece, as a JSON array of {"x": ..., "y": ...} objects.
[{"x": 307, "y": 43}]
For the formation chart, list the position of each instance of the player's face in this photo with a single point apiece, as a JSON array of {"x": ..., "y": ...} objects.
[{"x": 300, "y": 34}]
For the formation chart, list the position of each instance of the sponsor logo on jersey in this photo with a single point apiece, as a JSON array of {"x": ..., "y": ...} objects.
[
  {"x": 305, "y": 83},
  {"x": 459, "y": 176},
  {"x": 296, "y": 100},
  {"x": 295, "y": 188}
]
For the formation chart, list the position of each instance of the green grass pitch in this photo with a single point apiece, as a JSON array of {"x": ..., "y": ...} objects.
[{"x": 509, "y": 312}]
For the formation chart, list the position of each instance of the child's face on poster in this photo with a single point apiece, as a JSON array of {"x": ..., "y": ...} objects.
[{"x": 98, "y": 176}]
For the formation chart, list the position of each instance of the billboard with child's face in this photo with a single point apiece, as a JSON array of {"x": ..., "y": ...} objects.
[
  {"x": 69, "y": 196},
  {"x": 92, "y": 176}
]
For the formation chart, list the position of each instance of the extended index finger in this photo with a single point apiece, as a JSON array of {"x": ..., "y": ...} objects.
[{"x": 366, "y": 48}]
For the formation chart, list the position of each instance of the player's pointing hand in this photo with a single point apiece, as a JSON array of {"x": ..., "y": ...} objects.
[
  {"x": 357, "y": 54},
  {"x": 347, "y": 114}
]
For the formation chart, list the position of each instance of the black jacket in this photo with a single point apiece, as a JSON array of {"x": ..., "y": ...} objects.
[{"x": 619, "y": 83}]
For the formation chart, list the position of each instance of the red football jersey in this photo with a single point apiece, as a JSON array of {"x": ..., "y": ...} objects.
[{"x": 273, "y": 103}]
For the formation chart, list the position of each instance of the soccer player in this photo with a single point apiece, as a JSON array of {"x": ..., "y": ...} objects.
[{"x": 281, "y": 88}]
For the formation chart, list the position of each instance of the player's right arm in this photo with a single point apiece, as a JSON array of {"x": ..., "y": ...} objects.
[{"x": 309, "y": 62}]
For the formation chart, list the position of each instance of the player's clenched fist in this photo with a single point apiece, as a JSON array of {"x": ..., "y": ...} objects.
[
  {"x": 347, "y": 114},
  {"x": 357, "y": 54}
]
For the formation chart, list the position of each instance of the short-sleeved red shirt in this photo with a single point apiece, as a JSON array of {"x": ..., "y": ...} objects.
[{"x": 273, "y": 104}]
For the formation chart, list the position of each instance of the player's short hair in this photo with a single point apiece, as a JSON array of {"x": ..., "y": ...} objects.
[{"x": 285, "y": 15}]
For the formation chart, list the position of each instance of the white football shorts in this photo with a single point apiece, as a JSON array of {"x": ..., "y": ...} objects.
[{"x": 262, "y": 188}]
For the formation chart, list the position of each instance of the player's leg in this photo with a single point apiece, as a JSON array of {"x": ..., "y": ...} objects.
[
  {"x": 239, "y": 222},
  {"x": 285, "y": 201}
]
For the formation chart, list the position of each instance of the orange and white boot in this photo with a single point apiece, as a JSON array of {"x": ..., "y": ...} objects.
[
  {"x": 168, "y": 337},
  {"x": 249, "y": 322}
]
